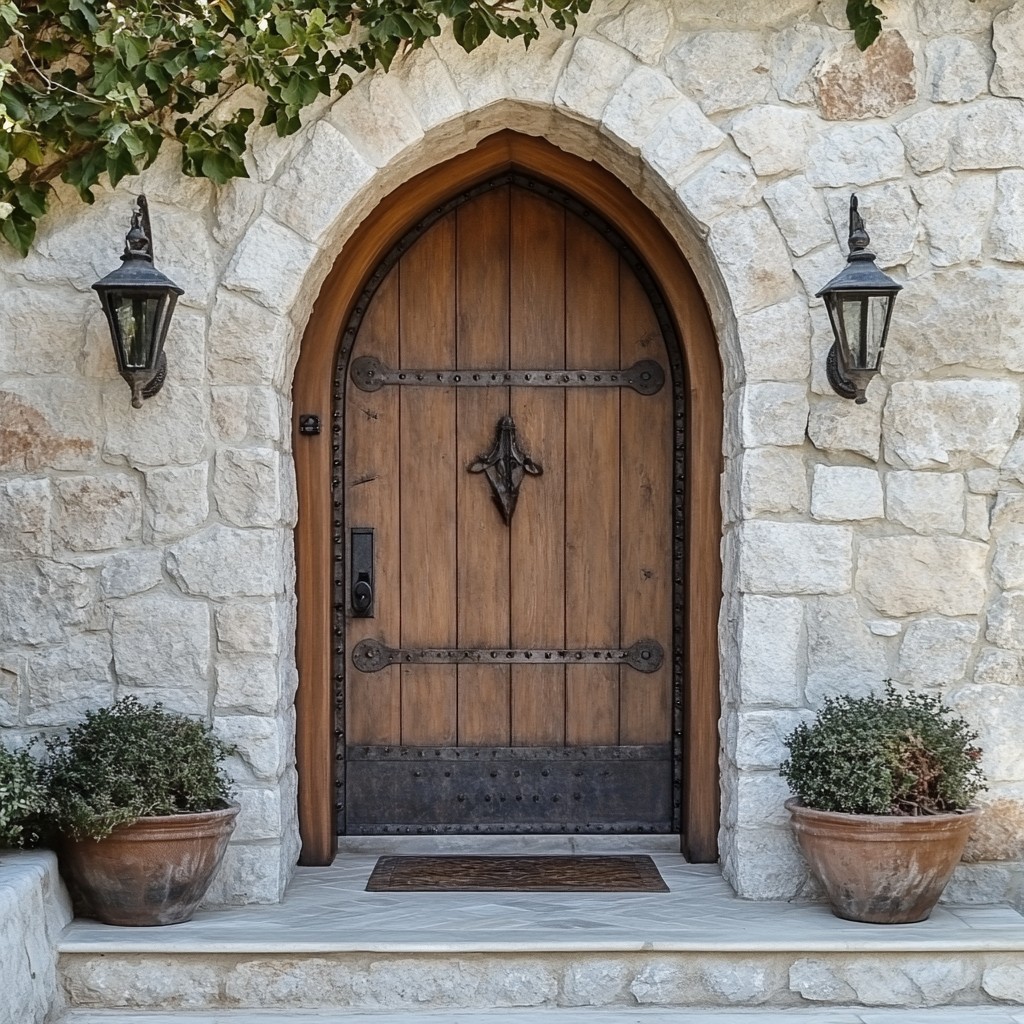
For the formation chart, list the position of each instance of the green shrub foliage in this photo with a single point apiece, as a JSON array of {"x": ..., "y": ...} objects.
[
  {"x": 129, "y": 761},
  {"x": 23, "y": 800},
  {"x": 904, "y": 754}
]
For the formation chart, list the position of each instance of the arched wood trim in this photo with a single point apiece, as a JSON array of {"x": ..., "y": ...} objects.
[{"x": 312, "y": 393}]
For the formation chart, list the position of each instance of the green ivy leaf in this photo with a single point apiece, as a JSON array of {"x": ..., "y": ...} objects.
[{"x": 866, "y": 21}]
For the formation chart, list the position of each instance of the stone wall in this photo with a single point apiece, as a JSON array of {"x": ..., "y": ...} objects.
[{"x": 149, "y": 551}]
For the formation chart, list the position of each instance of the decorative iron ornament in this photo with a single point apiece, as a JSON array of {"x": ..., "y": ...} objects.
[
  {"x": 372, "y": 656},
  {"x": 505, "y": 465},
  {"x": 678, "y": 383},
  {"x": 645, "y": 377}
]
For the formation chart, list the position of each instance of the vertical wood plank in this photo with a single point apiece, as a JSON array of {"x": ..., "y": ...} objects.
[
  {"x": 427, "y": 471},
  {"x": 592, "y": 486},
  {"x": 646, "y": 510},
  {"x": 537, "y": 340},
  {"x": 373, "y": 702},
  {"x": 483, "y": 537}
]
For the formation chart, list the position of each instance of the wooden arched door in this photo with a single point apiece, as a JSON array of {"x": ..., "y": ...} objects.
[
  {"x": 507, "y": 493},
  {"x": 475, "y": 582}
]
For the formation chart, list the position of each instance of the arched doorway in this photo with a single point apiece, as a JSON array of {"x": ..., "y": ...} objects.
[{"x": 509, "y": 185}]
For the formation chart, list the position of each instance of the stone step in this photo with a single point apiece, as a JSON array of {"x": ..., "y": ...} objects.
[
  {"x": 333, "y": 946},
  {"x": 848, "y": 1015}
]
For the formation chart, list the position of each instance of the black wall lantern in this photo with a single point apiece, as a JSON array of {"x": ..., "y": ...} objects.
[
  {"x": 859, "y": 301},
  {"x": 139, "y": 302}
]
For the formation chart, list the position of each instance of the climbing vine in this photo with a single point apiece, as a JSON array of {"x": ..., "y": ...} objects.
[{"x": 93, "y": 88}]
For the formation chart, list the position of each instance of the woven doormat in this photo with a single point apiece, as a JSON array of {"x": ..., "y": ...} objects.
[{"x": 453, "y": 873}]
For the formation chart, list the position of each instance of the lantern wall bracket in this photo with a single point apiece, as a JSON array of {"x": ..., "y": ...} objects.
[{"x": 842, "y": 386}]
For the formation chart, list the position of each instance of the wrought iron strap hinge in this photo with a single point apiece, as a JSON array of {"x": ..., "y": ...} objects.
[
  {"x": 645, "y": 377},
  {"x": 372, "y": 656}
]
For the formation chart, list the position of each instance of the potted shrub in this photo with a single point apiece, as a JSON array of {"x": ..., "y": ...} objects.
[
  {"x": 883, "y": 801},
  {"x": 141, "y": 805},
  {"x": 23, "y": 799}
]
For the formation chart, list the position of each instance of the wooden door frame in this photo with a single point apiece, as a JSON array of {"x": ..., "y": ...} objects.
[{"x": 314, "y": 534}]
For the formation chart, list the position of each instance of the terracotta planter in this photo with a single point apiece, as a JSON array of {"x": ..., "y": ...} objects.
[
  {"x": 883, "y": 869},
  {"x": 151, "y": 872}
]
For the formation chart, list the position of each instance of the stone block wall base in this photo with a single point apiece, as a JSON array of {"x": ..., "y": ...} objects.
[{"x": 450, "y": 980}]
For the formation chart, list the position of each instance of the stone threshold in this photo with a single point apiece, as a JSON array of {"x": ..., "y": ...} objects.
[{"x": 327, "y": 911}]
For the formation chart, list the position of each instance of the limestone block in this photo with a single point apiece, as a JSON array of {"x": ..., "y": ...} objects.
[
  {"x": 721, "y": 70},
  {"x": 795, "y": 558},
  {"x": 171, "y": 981},
  {"x": 309, "y": 198},
  {"x": 642, "y": 100},
  {"x": 247, "y": 627},
  {"x": 1006, "y": 621},
  {"x": 1007, "y": 229},
  {"x": 775, "y": 342},
  {"x": 774, "y": 138},
  {"x": 247, "y": 684},
  {"x": 642, "y": 28},
  {"x": 741, "y": 13},
  {"x": 94, "y": 513},
  {"x": 429, "y": 88},
  {"x": 800, "y": 213},
  {"x": 770, "y": 639},
  {"x": 131, "y": 572},
  {"x": 837, "y": 426},
  {"x": 176, "y": 501},
  {"x": 926, "y": 502},
  {"x": 796, "y": 51},
  {"x": 531, "y": 75},
  {"x": 1004, "y": 982},
  {"x": 892, "y": 205},
  {"x": 926, "y": 137},
  {"x": 994, "y": 711},
  {"x": 935, "y": 16},
  {"x": 957, "y": 70},
  {"x": 258, "y": 744},
  {"x": 593, "y": 982},
  {"x": 752, "y": 258},
  {"x": 1008, "y": 42},
  {"x": 929, "y": 424},
  {"x": 221, "y": 562},
  {"x": 724, "y": 184},
  {"x": 843, "y": 655},
  {"x": 41, "y": 328},
  {"x": 260, "y": 814},
  {"x": 49, "y": 423},
  {"x": 659, "y": 982},
  {"x": 378, "y": 122},
  {"x": 954, "y": 214},
  {"x": 1012, "y": 466},
  {"x": 998, "y": 834},
  {"x": 994, "y": 665},
  {"x": 760, "y": 799},
  {"x": 593, "y": 75},
  {"x": 171, "y": 432},
  {"x": 907, "y": 575},
  {"x": 1008, "y": 564},
  {"x": 963, "y": 317},
  {"x": 25, "y": 516},
  {"x": 235, "y": 204},
  {"x": 839, "y": 493},
  {"x": 772, "y": 480},
  {"x": 41, "y": 600},
  {"x": 855, "y": 154},
  {"x": 986, "y": 134},
  {"x": 934, "y": 653},
  {"x": 163, "y": 643},
  {"x": 246, "y": 486},
  {"x": 976, "y": 517},
  {"x": 10, "y": 693},
  {"x": 983, "y": 481},
  {"x": 682, "y": 136},
  {"x": 272, "y": 261},
  {"x": 478, "y": 75},
  {"x": 874, "y": 981},
  {"x": 64, "y": 682},
  {"x": 241, "y": 413},
  {"x": 744, "y": 982},
  {"x": 247, "y": 342},
  {"x": 877, "y": 82},
  {"x": 884, "y": 627},
  {"x": 979, "y": 884},
  {"x": 763, "y": 863}
]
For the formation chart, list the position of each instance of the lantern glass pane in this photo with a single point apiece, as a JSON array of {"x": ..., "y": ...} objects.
[
  {"x": 137, "y": 319},
  {"x": 864, "y": 318}
]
